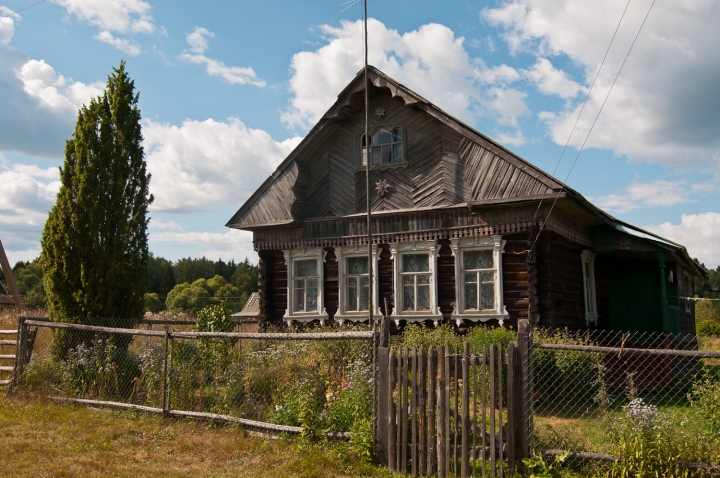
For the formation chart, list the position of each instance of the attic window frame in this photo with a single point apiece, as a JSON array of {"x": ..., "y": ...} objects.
[{"x": 390, "y": 129}]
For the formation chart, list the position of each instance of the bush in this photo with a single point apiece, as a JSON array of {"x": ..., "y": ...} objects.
[
  {"x": 708, "y": 328},
  {"x": 481, "y": 336},
  {"x": 202, "y": 293},
  {"x": 153, "y": 303},
  {"x": 705, "y": 399},
  {"x": 418, "y": 335}
]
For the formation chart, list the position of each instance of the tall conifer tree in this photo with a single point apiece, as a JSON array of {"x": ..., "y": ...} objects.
[{"x": 94, "y": 245}]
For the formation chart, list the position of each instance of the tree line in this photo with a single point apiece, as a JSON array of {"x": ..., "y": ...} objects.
[{"x": 188, "y": 284}]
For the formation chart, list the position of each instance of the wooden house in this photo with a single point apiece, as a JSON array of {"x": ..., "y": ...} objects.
[{"x": 463, "y": 230}]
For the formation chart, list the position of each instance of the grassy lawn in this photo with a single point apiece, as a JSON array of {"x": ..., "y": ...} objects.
[{"x": 59, "y": 440}]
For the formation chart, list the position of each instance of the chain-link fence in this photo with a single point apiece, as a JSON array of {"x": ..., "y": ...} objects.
[
  {"x": 626, "y": 403},
  {"x": 312, "y": 383}
]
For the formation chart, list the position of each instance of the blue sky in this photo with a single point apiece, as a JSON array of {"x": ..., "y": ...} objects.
[{"x": 227, "y": 89}]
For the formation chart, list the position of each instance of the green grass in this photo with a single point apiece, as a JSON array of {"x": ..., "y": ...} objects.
[{"x": 43, "y": 439}]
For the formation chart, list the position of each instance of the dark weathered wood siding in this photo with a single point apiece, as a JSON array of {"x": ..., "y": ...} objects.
[
  {"x": 515, "y": 285},
  {"x": 272, "y": 282}
]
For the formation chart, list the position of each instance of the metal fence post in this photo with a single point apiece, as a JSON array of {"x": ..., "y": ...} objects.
[
  {"x": 526, "y": 397},
  {"x": 19, "y": 354}
]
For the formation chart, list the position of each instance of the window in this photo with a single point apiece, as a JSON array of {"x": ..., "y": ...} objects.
[
  {"x": 588, "y": 269},
  {"x": 305, "y": 285},
  {"x": 306, "y": 279},
  {"x": 354, "y": 283},
  {"x": 478, "y": 279},
  {"x": 687, "y": 291},
  {"x": 357, "y": 284},
  {"x": 386, "y": 146},
  {"x": 414, "y": 267}
]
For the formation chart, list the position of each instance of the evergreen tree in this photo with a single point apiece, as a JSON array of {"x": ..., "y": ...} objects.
[{"x": 94, "y": 245}]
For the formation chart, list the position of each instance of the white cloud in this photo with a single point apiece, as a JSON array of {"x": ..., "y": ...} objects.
[
  {"x": 652, "y": 194},
  {"x": 663, "y": 107},
  {"x": 697, "y": 232},
  {"x": 201, "y": 163},
  {"x": 431, "y": 60},
  {"x": 130, "y": 47},
  {"x": 197, "y": 40},
  {"x": 551, "y": 81},
  {"x": 43, "y": 83},
  {"x": 119, "y": 16},
  {"x": 230, "y": 244},
  {"x": 7, "y": 26}
]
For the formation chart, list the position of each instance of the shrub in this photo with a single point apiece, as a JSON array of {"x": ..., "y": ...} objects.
[
  {"x": 419, "y": 335},
  {"x": 708, "y": 328},
  {"x": 480, "y": 336},
  {"x": 705, "y": 399},
  {"x": 153, "y": 303}
]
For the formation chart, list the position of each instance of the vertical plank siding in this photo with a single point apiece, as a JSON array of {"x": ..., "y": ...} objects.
[{"x": 457, "y": 412}]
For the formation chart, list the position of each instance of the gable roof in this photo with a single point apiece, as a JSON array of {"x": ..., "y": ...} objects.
[{"x": 278, "y": 201}]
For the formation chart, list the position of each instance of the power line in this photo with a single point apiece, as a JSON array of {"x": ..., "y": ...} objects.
[
  {"x": 596, "y": 118},
  {"x": 18, "y": 11}
]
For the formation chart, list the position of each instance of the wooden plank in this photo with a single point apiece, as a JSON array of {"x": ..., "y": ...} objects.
[
  {"x": 511, "y": 406},
  {"x": 404, "y": 412},
  {"x": 500, "y": 410},
  {"x": 465, "y": 411},
  {"x": 413, "y": 412},
  {"x": 422, "y": 411},
  {"x": 8, "y": 342},
  {"x": 474, "y": 413},
  {"x": 492, "y": 412},
  {"x": 398, "y": 428},
  {"x": 432, "y": 407},
  {"x": 456, "y": 383},
  {"x": 14, "y": 331},
  {"x": 383, "y": 359},
  {"x": 6, "y": 368},
  {"x": 484, "y": 410},
  {"x": 7, "y": 357},
  {"x": 441, "y": 412},
  {"x": 392, "y": 425}
]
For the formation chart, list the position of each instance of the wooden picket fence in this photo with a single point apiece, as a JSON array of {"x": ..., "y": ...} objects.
[{"x": 450, "y": 412}]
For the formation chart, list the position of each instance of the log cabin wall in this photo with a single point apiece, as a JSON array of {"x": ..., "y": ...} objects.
[
  {"x": 515, "y": 278},
  {"x": 446, "y": 279},
  {"x": 560, "y": 286},
  {"x": 272, "y": 284},
  {"x": 330, "y": 282},
  {"x": 385, "y": 280}
]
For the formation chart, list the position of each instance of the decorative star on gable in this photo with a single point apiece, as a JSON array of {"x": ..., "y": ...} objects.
[
  {"x": 623, "y": 241},
  {"x": 380, "y": 111},
  {"x": 382, "y": 187}
]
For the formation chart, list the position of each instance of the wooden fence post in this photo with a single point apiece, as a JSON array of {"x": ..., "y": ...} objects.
[
  {"x": 465, "y": 416},
  {"x": 442, "y": 411},
  {"x": 165, "y": 376},
  {"x": 526, "y": 391},
  {"x": 391, "y": 415},
  {"x": 382, "y": 442}
]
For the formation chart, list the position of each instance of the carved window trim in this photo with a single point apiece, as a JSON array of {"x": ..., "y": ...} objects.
[
  {"x": 397, "y": 251},
  {"x": 589, "y": 290},
  {"x": 496, "y": 244},
  {"x": 291, "y": 257},
  {"x": 383, "y": 166},
  {"x": 687, "y": 291},
  {"x": 342, "y": 253}
]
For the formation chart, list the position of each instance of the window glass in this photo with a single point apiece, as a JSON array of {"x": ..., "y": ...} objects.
[
  {"x": 312, "y": 295},
  {"x": 397, "y": 135},
  {"x": 306, "y": 268},
  {"x": 382, "y": 137},
  {"x": 478, "y": 260},
  {"x": 397, "y": 153},
  {"x": 357, "y": 265},
  {"x": 416, "y": 263}
]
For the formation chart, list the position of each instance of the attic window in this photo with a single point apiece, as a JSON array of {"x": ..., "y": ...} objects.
[{"x": 386, "y": 146}]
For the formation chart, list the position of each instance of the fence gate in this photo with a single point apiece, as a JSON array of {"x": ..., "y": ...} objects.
[{"x": 450, "y": 412}]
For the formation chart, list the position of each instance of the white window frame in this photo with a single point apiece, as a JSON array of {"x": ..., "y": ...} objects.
[
  {"x": 587, "y": 258},
  {"x": 366, "y": 153},
  {"x": 687, "y": 279},
  {"x": 496, "y": 244},
  {"x": 397, "y": 251},
  {"x": 341, "y": 254},
  {"x": 303, "y": 254}
]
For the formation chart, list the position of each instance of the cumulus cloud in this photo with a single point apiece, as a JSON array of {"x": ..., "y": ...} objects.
[
  {"x": 28, "y": 193},
  {"x": 232, "y": 243},
  {"x": 201, "y": 163},
  {"x": 652, "y": 194},
  {"x": 431, "y": 60},
  {"x": 7, "y": 26},
  {"x": 697, "y": 232},
  {"x": 197, "y": 40},
  {"x": 118, "y": 16},
  {"x": 38, "y": 107},
  {"x": 551, "y": 81},
  {"x": 662, "y": 108}
]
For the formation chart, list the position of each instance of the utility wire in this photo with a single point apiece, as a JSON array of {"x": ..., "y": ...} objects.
[
  {"x": 596, "y": 117},
  {"x": 18, "y": 11}
]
